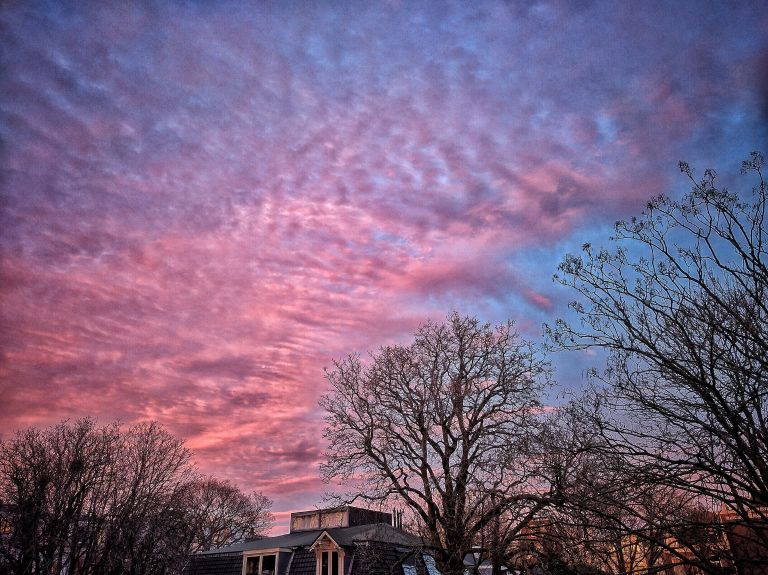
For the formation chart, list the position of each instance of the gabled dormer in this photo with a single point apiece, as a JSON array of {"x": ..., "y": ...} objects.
[{"x": 329, "y": 555}]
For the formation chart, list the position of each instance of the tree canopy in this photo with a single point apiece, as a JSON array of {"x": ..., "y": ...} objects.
[
  {"x": 82, "y": 499},
  {"x": 680, "y": 305},
  {"x": 443, "y": 425}
]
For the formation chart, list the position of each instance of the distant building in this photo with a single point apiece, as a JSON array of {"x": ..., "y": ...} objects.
[{"x": 340, "y": 541}]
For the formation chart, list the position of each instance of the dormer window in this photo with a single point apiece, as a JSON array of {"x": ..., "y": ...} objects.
[
  {"x": 330, "y": 557},
  {"x": 329, "y": 563},
  {"x": 261, "y": 564}
]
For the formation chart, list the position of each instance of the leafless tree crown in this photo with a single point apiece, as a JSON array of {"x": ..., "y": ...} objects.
[
  {"x": 680, "y": 306},
  {"x": 443, "y": 425},
  {"x": 79, "y": 499}
]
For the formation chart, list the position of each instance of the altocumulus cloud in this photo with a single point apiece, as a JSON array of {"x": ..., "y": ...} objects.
[{"x": 203, "y": 204}]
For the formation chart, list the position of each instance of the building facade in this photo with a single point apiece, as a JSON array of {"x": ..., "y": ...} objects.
[{"x": 340, "y": 541}]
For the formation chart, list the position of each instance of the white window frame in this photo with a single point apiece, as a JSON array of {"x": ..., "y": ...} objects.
[
  {"x": 261, "y": 553},
  {"x": 339, "y": 562}
]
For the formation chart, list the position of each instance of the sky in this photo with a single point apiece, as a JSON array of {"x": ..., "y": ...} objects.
[{"x": 202, "y": 204}]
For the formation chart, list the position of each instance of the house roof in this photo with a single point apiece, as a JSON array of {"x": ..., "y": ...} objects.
[
  {"x": 303, "y": 562},
  {"x": 381, "y": 532},
  {"x": 216, "y": 564}
]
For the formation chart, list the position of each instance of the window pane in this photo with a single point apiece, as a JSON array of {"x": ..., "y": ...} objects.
[
  {"x": 268, "y": 565},
  {"x": 252, "y": 566},
  {"x": 324, "y": 566},
  {"x": 334, "y": 563}
]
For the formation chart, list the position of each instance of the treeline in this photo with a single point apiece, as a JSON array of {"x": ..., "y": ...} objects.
[{"x": 84, "y": 499}]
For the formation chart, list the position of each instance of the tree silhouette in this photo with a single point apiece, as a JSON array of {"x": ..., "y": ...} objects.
[{"x": 443, "y": 425}]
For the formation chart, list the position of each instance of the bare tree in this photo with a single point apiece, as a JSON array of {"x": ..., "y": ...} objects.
[
  {"x": 610, "y": 518},
  {"x": 52, "y": 483},
  {"x": 681, "y": 307},
  {"x": 221, "y": 514},
  {"x": 151, "y": 467},
  {"x": 79, "y": 499},
  {"x": 442, "y": 425}
]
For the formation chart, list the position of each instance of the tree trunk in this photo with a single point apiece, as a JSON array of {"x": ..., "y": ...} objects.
[
  {"x": 450, "y": 561},
  {"x": 497, "y": 562}
]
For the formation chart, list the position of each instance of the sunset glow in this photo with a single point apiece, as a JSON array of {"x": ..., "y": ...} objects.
[{"x": 203, "y": 204}]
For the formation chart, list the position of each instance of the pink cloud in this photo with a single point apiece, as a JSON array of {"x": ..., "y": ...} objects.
[{"x": 201, "y": 208}]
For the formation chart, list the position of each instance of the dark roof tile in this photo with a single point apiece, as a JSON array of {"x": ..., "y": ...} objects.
[
  {"x": 303, "y": 562},
  {"x": 215, "y": 564},
  {"x": 342, "y": 535}
]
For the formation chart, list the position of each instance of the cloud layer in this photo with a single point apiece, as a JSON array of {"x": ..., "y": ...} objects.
[{"x": 203, "y": 204}]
